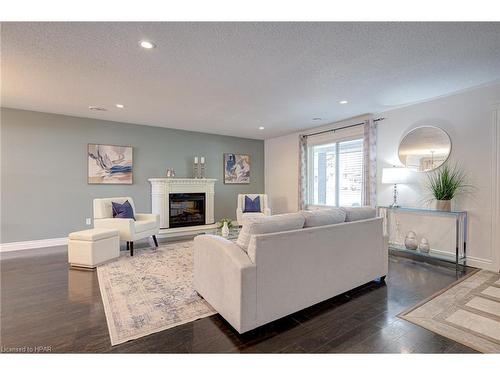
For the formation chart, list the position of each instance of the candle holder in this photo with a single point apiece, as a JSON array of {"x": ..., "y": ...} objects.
[
  {"x": 202, "y": 170},
  {"x": 195, "y": 168}
]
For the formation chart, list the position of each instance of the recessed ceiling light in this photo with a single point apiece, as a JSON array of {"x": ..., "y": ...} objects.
[
  {"x": 317, "y": 118},
  {"x": 96, "y": 108},
  {"x": 343, "y": 102},
  {"x": 147, "y": 44},
  {"x": 261, "y": 128},
  {"x": 119, "y": 106}
]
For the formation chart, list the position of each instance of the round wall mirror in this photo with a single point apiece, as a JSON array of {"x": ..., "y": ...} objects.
[{"x": 424, "y": 149}]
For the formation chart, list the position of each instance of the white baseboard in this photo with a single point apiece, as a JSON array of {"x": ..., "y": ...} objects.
[
  {"x": 35, "y": 244},
  {"x": 471, "y": 261},
  {"x": 484, "y": 264},
  {"x": 49, "y": 242}
]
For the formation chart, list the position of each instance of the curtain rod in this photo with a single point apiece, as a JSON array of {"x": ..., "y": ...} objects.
[{"x": 343, "y": 127}]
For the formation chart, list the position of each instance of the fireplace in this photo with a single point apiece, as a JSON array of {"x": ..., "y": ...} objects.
[{"x": 186, "y": 209}]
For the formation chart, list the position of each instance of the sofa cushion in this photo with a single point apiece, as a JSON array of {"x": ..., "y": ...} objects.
[
  {"x": 268, "y": 224},
  {"x": 252, "y": 205},
  {"x": 319, "y": 218},
  {"x": 359, "y": 213}
]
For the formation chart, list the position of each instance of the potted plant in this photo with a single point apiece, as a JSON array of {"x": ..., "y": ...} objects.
[
  {"x": 445, "y": 184},
  {"x": 225, "y": 224}
]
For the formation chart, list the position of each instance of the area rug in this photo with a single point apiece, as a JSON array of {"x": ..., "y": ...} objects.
[
  {"x": 467, "y": 312},
  {"x": 150, "y": 292}
]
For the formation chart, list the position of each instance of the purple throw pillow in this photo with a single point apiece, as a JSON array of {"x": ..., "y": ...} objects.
[
  {"x": 252, "y": 205},
  {"x": 123, "y": 210}
]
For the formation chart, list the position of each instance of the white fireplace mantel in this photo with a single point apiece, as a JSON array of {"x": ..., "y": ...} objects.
[{"x": 162, "y": 187}]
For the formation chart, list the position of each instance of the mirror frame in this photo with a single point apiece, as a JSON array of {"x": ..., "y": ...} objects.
[{"x": 426, "y": 126}]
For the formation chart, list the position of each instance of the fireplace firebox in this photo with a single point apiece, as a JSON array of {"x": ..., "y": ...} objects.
[{"x": 186, "y": 209}]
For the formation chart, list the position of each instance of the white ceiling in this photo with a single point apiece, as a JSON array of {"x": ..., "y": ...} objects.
[{"x": 231, "y": 78}]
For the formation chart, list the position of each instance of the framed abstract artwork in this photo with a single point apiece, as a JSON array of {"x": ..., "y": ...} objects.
[
  {"x": 109, "y": 164},
  {"x": 236, "y": 169}
]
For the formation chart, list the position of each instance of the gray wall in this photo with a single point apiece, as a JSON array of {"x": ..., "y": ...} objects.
[{"x": 44, "y": 169}]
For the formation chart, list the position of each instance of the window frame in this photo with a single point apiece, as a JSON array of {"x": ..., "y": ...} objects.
[{"x": 333, "y": 140}]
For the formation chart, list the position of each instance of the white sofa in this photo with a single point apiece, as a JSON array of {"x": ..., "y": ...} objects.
[
  {"x": 284, "y": 271},
  {"x": 241, "y": 215},
  {"x": 145, "y": 225}
]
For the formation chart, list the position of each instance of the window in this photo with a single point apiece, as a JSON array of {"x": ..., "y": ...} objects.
[{"x": 335, "y": 173}]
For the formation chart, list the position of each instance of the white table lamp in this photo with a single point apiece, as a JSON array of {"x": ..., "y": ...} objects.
[{"x": 395, "y": 176}]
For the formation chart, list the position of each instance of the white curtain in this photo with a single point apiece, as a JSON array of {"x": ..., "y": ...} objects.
[
  {"x": 302, "y": 172},
  {"x": 370, "y": 163}
]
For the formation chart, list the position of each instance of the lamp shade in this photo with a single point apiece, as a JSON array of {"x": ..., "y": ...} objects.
[{"x": 394, "y": 175}]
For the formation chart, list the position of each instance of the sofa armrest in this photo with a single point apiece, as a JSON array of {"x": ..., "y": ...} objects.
[
  {"x": 267, "y": 211},
  {"x": 124, "y": 226},
  {"x": 226, "y": 278},
  {"x": 148, "y": 217}
]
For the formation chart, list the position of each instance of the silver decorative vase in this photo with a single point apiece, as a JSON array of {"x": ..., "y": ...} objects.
[
  {"x": 424, "y": 245},
  {"x": 443, "y": 205},
  {"x": 196, "y": 169},
  {"x": 411, "y": 241},
  {"x": 225, "y": 230}
]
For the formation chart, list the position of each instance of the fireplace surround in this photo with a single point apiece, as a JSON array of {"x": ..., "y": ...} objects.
[
  {"x": 163, "y": 189},
  {"x": 186, "y": 209}
]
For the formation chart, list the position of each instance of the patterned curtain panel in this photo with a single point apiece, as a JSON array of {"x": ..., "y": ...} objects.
[
  {"x": 302, "y": 172},
  {"x": 370, "y": 163}
]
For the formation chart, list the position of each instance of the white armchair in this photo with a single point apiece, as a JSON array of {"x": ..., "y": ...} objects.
[
  {"x": 144, "y": 226},
  {"x": 241, "y": 215}
]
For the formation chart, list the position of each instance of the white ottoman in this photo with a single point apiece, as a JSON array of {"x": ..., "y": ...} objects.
[{"x": 91, "y": 247}]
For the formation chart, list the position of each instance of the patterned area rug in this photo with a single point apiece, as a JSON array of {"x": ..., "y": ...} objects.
[
  {"x": 150, "y": 292},
  {"x": 467, "y": 312}
]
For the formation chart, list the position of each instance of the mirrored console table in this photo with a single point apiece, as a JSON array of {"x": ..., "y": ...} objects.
[{"x": 442, "y": 226}]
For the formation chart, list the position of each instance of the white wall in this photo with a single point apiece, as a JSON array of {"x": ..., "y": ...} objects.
[
  {"x": 282, "y": 173},
  {"x": 468, "y": 117}
]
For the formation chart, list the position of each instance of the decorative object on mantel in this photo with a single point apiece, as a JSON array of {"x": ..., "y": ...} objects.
[
  {"x": 202, "y": 167},
  {"x": 411, "y": 241},
  {"x": 199, "y": 167},
  {"x": 424, "y": 245},
  {"x": 170, "y": 172},
  {"x": 394, "y": 175},
  {"x": 236, "y": 169},
  {"x": 445, "y": 184},
  {"x": 109, "y": 164},
  {"x": 196, "y": 167}
]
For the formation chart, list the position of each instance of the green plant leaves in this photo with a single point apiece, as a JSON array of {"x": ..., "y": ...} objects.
[{"x": 446, "y": 182}]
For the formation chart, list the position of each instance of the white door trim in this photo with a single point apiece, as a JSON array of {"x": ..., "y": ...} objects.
[{"x": 495, "y": 190}]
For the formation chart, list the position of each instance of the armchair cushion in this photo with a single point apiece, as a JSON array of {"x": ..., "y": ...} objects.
[
  {"x": 252, "y": 205},
  {"x": 123, "y": 210},
  {"x": 103, "y": 207},
  {"x": 143, "y": 225}
]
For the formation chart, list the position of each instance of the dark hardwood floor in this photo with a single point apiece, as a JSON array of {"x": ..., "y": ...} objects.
[{"x": 45, "y": 306}]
